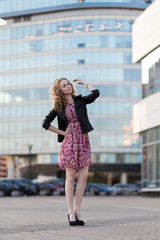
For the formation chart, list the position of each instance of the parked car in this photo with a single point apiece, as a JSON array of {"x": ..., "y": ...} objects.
[
  {"x": 9, "y": 189},
  {"x": 125, "y": 189},
  {"x": 32, "y": 188},
  {"x": 25, "y": 188},
  {"x": 115, "y": 190},
  {"x": 95, "y": 189},
  {"x": 138, "y": 189},
  {"x": 4, "y": 191},
  {"x": 106, "y": 187},
  {"x": 43, "y": 189},
  {"x": 58, "y": 185},
  {"x": 54, "y": 188}
]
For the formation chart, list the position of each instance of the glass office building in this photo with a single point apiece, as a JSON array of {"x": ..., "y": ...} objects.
[
  {"x": 91, "y": 40},
  {"x": 146, "y": 113},
  {"x": 151, "y": 137}
]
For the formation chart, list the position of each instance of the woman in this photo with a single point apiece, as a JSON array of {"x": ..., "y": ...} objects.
[{"x": 73, "y": 128}]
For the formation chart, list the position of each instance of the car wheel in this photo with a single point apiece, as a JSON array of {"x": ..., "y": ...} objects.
[
  {"x": 135, "y": 193},
  {"x": 96, "y": 193},
  {"x": 2, "y": 193},
  {"x": 42, "y": 193},
  {"x": 21, "y": 193},
  {"x": 113, "y": 194},
  {"x": 92, "y": 192},
  {"x": 55, "y": 193},
  {"x": 14, "y": 193}
]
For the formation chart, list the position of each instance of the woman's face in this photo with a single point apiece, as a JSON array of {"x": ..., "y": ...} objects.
[{"x": 65, "y": 87}]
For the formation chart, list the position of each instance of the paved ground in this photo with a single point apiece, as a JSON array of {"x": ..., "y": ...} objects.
[{"x": 107, "y": 218}]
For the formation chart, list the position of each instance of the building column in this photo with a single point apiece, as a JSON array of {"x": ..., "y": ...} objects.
[
  {"x": 123, "y": 178},
  {"x": 11, "y": 167},
  {"x": 109, "y": 179}
]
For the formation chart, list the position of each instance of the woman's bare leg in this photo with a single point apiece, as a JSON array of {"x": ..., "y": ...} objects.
[
  {"x": 69, "y": 190},
  {"x": 82, "y": 180}
]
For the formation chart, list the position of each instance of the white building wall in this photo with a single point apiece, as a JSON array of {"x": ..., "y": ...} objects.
[
  {"x": 146, "y": 32},
  {"x": 146, "y": 113}
]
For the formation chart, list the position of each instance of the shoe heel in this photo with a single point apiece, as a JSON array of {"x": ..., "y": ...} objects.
[
  {"x": 79, "y": 222},
  {"x": 72, "y": 223}
]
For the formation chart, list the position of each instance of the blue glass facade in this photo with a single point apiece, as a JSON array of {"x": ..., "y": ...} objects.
[
  {"x": 91, "y": 45},
  {"x": 14, "y": 7},
  {"x": 151, "y": 73},
  {"x": 151, "y": 136}
]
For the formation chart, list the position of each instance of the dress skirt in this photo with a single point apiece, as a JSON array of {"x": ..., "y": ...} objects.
[{"x": 75, "y": 149}]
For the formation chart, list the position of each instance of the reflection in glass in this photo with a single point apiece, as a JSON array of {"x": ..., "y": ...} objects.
[
  {"x": 65, "y": 59},
  {"x": 33, "y": 31},
  {"x": 61, "y": 43},
  {"x": 158, "y": 165},
  {"x": 89, "y": 74},
  {"x": 152, "y": 166}
]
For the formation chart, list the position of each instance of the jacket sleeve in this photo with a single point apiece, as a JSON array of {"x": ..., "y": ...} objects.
[
  {"x": 91, "y": 97},
  {"x": 49, "y": 118}
]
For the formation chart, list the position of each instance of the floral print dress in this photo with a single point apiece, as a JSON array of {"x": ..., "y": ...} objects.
[{"x": 75, "y": 150}]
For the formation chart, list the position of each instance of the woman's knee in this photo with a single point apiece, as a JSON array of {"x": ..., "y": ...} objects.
[
  {"x": 83, "y": 175},
  {"x": 70, "y": 174}
]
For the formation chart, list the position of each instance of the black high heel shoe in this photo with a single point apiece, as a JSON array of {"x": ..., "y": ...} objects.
[
  {"x": 72, "y": 223},
  {"x": 79, "y": 222}
]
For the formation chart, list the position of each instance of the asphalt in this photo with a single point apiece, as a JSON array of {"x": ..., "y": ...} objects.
[{"x": 106, "y": 218}]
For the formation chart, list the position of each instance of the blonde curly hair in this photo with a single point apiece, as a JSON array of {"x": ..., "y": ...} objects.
[{"x": 58, "y": 96}]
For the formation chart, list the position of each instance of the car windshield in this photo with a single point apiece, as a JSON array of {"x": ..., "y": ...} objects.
[{"x": 14, "y": 181}]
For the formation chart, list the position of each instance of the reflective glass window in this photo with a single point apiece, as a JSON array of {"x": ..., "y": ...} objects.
[
  {"x": 158, "y": 165},
  {"x": 158, "y": 134},
  {"x": 21, "y": 95},
  {"x": 112, "y": 140},
  {"x": 89, "y": 74},
  {"x": 111, "y": 107},
  {"x": 62, "y": 59},
  {"x": 60, "y": 28},
  {"x": 122, "y": 91},
  {"x": 152, "y": 166},
  {"x": 151, "y": 135},
  {"x": 110, "y": 123},
  {"x": 17, "y": 5},
  {"x": 62, "y": 43},
  {"x": 107, "y": 158},
  {"x": 97, "y": 108}
]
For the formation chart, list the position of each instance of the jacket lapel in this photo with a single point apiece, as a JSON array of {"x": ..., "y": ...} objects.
[{"x": 77, "y": 103}]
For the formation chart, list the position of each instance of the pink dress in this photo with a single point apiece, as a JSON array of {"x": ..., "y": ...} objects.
[{"x": 75, "y": 150}]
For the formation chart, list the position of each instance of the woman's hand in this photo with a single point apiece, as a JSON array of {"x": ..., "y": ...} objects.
[{"x": 79, "y": 81}]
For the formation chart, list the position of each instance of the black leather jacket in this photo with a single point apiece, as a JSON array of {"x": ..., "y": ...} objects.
[{"x": 81, "y": 110}]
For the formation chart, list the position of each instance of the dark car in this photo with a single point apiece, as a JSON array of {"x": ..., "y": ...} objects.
[
  {"x": 43, "y": 189},
  {"x": 50, "y": 188},
  {"x": 58, "y": 181},
  {"x": 32, "y": 188},
  {"x": 126, "y": 189},
  {"x": 94, "y": 189},
  {"x": 4, "y": 190},
  {"x": 24, "y": 187},
  {"x": 137, "y": 188},
  {"x": 106, "y": 187},
  {"x": 9, "y": 189}
]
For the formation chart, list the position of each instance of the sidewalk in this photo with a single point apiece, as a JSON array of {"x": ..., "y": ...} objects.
[{"x": 107, "y": 218}]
